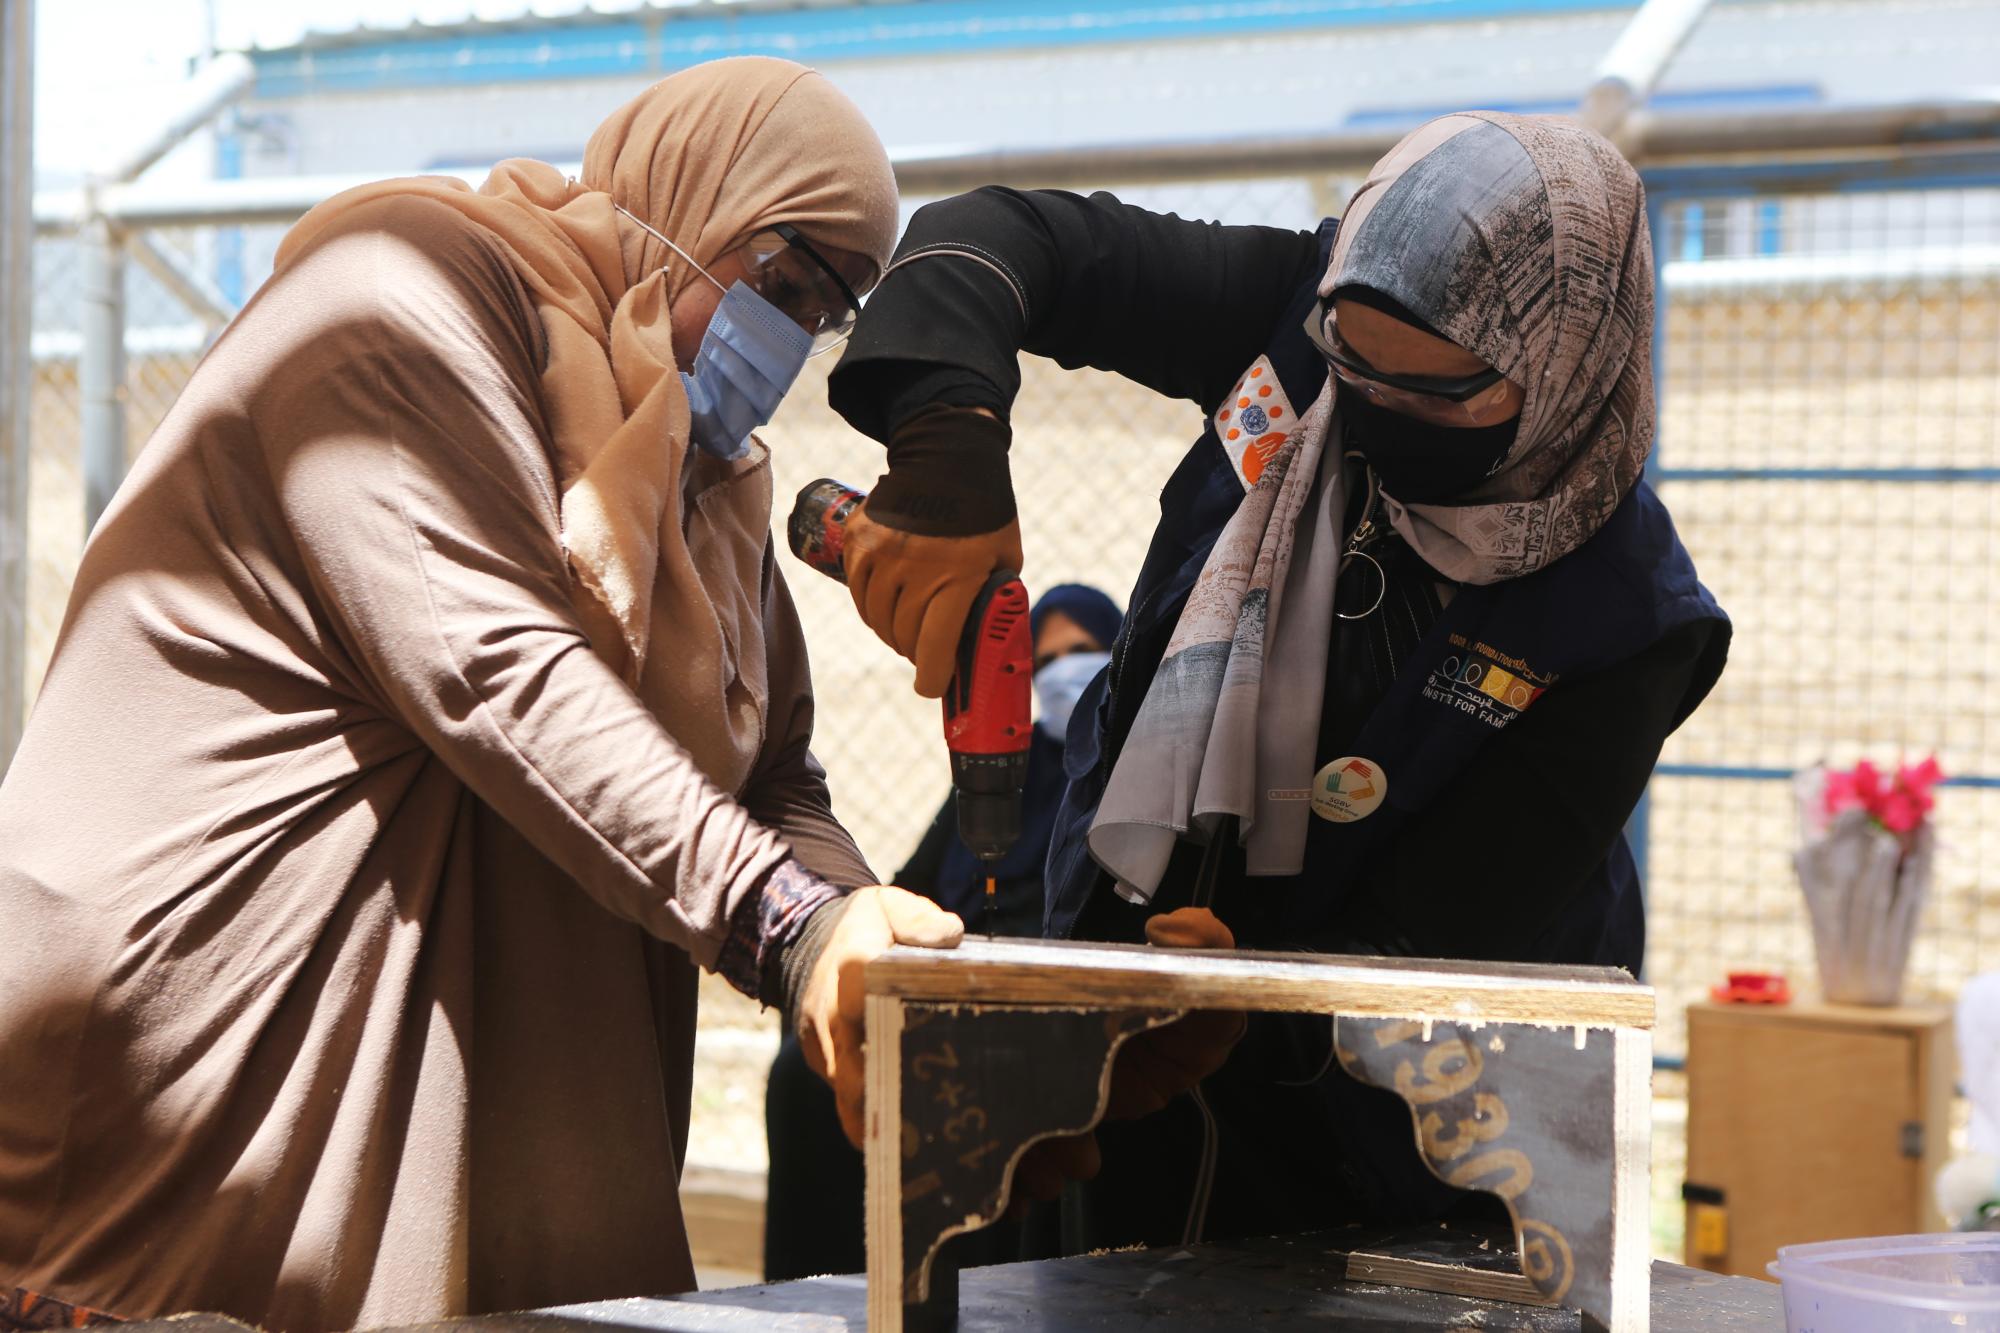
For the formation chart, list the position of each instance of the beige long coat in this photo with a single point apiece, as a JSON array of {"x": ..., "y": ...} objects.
[{"x": 347, "y": 898}]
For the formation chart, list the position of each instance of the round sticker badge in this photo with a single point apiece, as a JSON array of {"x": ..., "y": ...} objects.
[{"x": 1348, "y": 789}]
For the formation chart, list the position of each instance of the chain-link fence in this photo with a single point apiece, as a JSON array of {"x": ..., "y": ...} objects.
[
  {"x": 1831, "y": 452},
  {"x": 165, "y": 338},
  {"x": 1830, "y": 446}
]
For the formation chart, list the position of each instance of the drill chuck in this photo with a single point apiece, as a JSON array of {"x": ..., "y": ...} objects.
[
  {"x": 817, "y": 528},
  {"x": 989, "y": 801}
]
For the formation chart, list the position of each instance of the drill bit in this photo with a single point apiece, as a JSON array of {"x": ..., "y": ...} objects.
[{"x": 991, "y": 894}]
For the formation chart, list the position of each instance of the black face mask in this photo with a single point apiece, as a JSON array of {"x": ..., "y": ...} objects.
[{"x": 1418, "y": 462}]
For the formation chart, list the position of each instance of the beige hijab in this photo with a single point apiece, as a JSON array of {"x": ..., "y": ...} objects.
[{"x": 667, "y": 544}]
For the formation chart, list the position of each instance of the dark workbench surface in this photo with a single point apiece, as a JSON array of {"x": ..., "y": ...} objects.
[{"x": 1271, "y": 1286}]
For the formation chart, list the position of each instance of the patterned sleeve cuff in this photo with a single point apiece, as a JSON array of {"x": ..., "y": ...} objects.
[
  {"x": 767, "y": 921},
  {"x": 25, "y": 1310}
]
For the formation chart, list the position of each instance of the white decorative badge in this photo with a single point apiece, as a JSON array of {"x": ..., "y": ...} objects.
[
  {"x": 1254, "y": 421},
  {"x": 1348, "y": 789}
]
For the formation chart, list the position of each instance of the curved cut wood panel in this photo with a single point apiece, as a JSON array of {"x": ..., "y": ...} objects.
[{"x": 1530, "y": 1083}]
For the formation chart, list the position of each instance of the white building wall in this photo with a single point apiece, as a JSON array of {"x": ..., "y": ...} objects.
[{"x": 1852, "y": 50}]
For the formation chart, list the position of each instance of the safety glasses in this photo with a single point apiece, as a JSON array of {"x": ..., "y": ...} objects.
[
  {"x": 1474, "y": 400},
  {"x": 781, "y": 266}
]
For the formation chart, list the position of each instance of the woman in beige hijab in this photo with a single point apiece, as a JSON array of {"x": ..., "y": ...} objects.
[{"x": 427, "y": 706}]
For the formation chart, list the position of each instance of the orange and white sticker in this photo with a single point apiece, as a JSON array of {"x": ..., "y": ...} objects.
[
  {"x": 1348, "y": 789},
  {"x": 1254, "y": 421}
]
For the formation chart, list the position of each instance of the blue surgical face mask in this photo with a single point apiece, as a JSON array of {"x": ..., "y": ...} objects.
[
  {"x": 1060, "y": 684},
  {"x": 748, "y": 360}
]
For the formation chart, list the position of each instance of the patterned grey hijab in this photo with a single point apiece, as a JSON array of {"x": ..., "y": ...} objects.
[{"x": 1523, "y": 239}]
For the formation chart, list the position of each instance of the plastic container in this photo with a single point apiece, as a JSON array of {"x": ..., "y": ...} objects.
[{"x": 1892, "y": 1284}]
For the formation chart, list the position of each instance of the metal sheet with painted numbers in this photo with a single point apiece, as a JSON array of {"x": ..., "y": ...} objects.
[
  {"x": 980, "y": 1085},
  {"x": 1515, "y": 1110}
]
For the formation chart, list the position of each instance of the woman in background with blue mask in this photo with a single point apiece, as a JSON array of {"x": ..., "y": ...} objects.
[
  {"x": 429, "y": 705},
  {"x": 812, "y": 1219}
]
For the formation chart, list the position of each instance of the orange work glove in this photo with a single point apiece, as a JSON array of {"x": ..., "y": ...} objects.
[
  {"x": 937, "y": 524},
  {"x": 1151, "y": 1069},
  {"x": 831, "y": 1017},
  {"x": 1049, "y": 1165},
  {"x": 1160, "y": 1064},
  {"x": 915, "y": 591}
]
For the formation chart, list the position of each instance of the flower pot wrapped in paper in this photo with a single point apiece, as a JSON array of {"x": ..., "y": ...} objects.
[{"x": 1865, "y": 867}]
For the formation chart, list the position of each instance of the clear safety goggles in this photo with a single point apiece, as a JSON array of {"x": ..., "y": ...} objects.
[
  {"x": 781, "y": 266},
  {"x": 1472, "y": 400}
]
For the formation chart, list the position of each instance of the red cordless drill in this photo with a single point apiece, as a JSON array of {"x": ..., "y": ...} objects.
[{"x": 986, "y": 720}]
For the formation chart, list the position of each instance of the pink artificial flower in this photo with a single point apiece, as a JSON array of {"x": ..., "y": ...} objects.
[
  {"x": 1900, "y": 811},
  {"x": 1920, "y": 778},
  {"x": 1898, "y": 803},
  {"x": 1838, "y": 794}
]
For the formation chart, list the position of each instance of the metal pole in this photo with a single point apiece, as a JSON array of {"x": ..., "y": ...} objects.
[
  {"x": 1916, "y": 134},
  {"x": 17, "y": 229},
  {"x": 1636, "y": 61},
  {"x": 101, "y": 367},
  {"x": 206, "y": 304},
  {"x": 101, "y": 364},
  {"x": 1639, "y": 828},
  {"x": 216, "y": 86}
]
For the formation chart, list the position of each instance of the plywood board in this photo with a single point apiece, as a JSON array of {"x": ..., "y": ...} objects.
[
  {"x": 1055, "y": 972},
  {"x": 1480, "y": 1262}
]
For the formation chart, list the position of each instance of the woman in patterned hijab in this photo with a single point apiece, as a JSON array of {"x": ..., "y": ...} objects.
[
  {"x": 1523, "y": 241},
  {"x": 1487, "y": 317},
  {"x": 1408, "y": 638}
]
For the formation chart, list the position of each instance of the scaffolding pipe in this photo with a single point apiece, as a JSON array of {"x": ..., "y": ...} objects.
[
  {"x": 1635, "y": 62},
  {"x": 216, "y": 86},
  {"x": 100, "y": 372},
  {"x": 244, "y": 201},
  {"x": 1797, "y": 134},
  {"x": 101, "y": 364},
  {"x": 192, "y": 290},
  {"x": 17, "y": 105},
  {"x": 1944, "y": 126}
]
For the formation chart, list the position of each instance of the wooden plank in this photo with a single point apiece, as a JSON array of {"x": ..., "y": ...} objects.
[
  {"x": 1632, "y": 1202},
  {"x": 884, "y": 1018},
  {"x": 1057, "y": 972},
  {"x": 1481, "y": 1263}
]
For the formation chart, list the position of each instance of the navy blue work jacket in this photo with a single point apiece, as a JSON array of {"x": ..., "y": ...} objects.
[{"x": 1482, "y": 664}]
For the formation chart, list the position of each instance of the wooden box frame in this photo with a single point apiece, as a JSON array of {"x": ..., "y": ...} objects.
[{"x": 1529, "y": 1082}]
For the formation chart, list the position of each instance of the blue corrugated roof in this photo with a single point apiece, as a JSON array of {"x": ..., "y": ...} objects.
[{"x": 660, "y": 40}]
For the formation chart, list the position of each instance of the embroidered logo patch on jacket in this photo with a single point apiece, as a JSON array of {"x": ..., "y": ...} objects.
[
  {"x": 1483, "y": 682},
  {"x": 1255, "y": 421}
]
